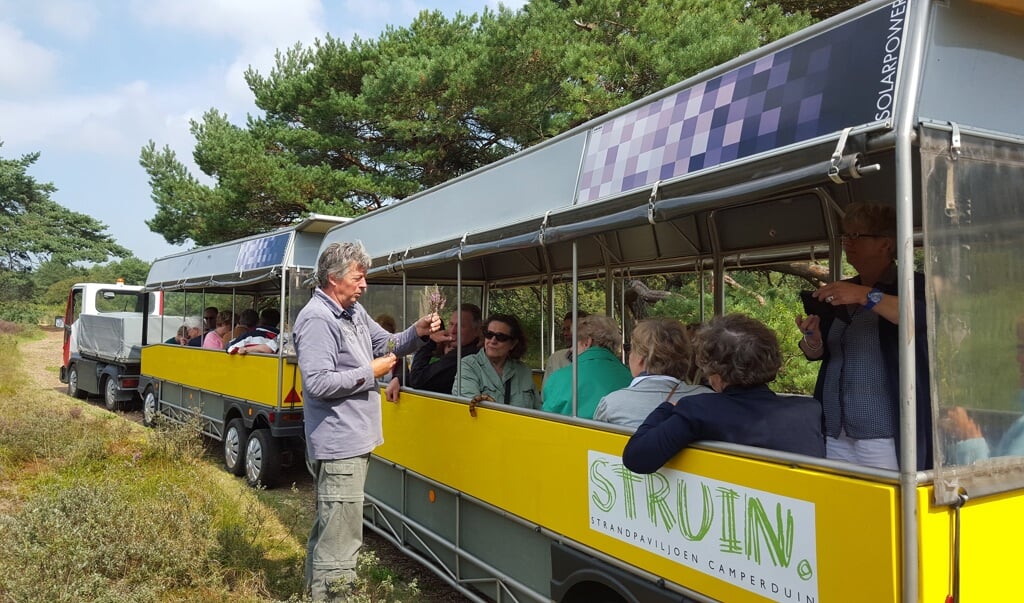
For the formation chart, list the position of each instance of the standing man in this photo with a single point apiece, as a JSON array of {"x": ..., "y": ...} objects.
[{"x": 341, "y": 354}]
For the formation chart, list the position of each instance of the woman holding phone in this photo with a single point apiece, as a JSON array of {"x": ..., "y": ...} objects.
[{"x": 854, "y": 333}]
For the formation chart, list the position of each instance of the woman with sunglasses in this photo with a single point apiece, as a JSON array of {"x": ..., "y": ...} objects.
[
  {"x": 496, "y": 370},
  {"x": 854, "y": 333}
]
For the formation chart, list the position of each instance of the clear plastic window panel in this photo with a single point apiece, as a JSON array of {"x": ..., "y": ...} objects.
[{"x": 973, "y": 215}]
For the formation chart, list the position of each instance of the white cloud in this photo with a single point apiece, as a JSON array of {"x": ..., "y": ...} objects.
[
  {"x": 250, "y": 22},
  {"x": 259, "y": 27},
  {"x": 26, "y": 67},
  {"x": 401, "y": 11},
  {"x": 75, "y": 19},
  {"x": 113, "y": 124}
]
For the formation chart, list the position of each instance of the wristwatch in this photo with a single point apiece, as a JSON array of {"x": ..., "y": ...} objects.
[{"x": 874, "y": 296}]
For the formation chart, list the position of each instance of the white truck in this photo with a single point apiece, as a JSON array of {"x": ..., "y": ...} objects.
[{"x": 103, "y": 326}]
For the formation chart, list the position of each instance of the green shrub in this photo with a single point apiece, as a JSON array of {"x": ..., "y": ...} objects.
[
  {"x": 100, "y": 541},
  {"x": 31, "y": 313}
]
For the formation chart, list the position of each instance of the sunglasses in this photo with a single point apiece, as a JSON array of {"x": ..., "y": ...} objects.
[
  {"x": 501, "y": 337},
  {"x": 853, "y": 236}
]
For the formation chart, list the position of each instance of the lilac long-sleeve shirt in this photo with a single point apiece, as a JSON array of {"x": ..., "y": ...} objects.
[{"x": 341, "y": 399}]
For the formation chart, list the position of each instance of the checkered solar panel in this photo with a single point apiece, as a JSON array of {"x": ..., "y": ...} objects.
[
  {"x": 260, "y": 253},
  {"x": 837, "y": 78}
]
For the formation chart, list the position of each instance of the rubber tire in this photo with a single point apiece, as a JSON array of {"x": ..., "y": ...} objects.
[
  {"x": 110, "y": 401},
  {"x": 262, "y": 459},
  {"x": 149, "y": 410},
  {"x": 73, "y": 390},
  {"x": 236, "y": 439}
]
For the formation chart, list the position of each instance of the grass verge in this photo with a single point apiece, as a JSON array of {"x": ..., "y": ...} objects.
[{"x": 96, "y": 508}]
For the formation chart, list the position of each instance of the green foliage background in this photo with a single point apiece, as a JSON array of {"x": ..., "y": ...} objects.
[{"x": 769, "y": 297}]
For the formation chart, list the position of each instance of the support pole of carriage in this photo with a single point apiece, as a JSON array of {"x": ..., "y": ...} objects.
[
  {"x": 575, "y": 319},
  {"x": 906, "y": 122},
  {"x": 458, "y": 312}
]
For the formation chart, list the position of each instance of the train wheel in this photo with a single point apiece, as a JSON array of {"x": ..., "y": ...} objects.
[
  {"x": 235, "y": 439},
  {"x": 262, "y": 459},
  {"x": 149, "y": 407}
]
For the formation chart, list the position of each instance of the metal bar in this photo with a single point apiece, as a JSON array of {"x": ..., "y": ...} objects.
[
  {"x": 906, "y": 122},
  {"x": 454, "y": 548},
  {"x": 575, "y": 319}
]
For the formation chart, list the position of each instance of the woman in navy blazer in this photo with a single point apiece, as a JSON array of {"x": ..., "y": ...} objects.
[{"x": 739, "y": 356}]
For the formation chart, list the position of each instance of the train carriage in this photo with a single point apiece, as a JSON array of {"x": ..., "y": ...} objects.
[
  {"x": 249, "y": 403},
  {"x": 751, "y": 164}
]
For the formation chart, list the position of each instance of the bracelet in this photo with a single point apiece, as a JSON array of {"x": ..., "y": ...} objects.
[{"x": 809, "y": 347}]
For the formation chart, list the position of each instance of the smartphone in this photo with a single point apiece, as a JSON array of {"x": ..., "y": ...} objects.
[{"x": 814, "y": 306}]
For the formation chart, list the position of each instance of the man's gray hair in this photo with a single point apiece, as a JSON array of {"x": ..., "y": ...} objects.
[{"x": 338, "y": 259}]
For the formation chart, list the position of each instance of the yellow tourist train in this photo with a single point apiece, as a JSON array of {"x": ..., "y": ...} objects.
[{"x": 747, "y": 166}]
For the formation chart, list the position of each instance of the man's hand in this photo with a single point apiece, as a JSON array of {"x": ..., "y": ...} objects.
[
  {"x": 391, "y": 392},
  {"x": 382, "y": 365},
  {"x": 430, "y": 323},
  {"x": 441, "y": 338}
]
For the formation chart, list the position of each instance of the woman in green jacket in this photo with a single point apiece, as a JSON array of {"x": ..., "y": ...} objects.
[
  {"x": 496, "y": 370},
  {"x": 599, "y": 369}
]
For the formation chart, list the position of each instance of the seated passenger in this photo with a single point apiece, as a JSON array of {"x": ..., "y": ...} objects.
[
  {"x": 387, "y": 322},
  {"x": 209, "y": 324},
  {"x": 972, "y": 445},
  {"x": 739, "y": 356},
  {"x": 214, "y": 340},
  {"x": 439, "y": 375},
  {"x": 599, "y": 370},
  {"x": 263, "y": 339},
  {"x": 496, "y": 370},
  {"x": 270, "y": 321},
  {"x": 209, "y": 319},
  {"x": 562, "y": 357},
  {"x": 181, "y": 337},
  {"x": 659, "y": 359},
  {"x": 247, "y": 322}
]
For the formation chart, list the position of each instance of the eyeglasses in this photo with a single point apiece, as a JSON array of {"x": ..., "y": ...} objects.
[
  {"x": 501, "y": 337},
  {"x": 853, "y": 236}
]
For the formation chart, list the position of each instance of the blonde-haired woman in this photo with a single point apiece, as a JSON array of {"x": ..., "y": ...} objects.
[
  {"x": 600, "y": 371},
  {"x": 659, "y": 359}
]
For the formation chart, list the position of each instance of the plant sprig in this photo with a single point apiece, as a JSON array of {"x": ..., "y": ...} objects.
[{"x": 436, "y": 299}]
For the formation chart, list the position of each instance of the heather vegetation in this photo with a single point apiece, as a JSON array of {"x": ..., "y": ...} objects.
[{"x": 94, "y": 507}]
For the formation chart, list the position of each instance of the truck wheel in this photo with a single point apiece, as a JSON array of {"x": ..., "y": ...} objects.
[
  {"x": 262, "y": 459},
  {"x": 110, "y": 400},
  {"x": 235, "y": 439},
  {"x": 73, "y": 389},
  {"x": 149, "y": 410}
]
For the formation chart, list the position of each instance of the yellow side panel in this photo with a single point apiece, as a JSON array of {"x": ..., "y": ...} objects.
[
  {"x": 251, "y": 377},
  {"x": 991, "y": 532},
  {"x": 538, "y": 469}
]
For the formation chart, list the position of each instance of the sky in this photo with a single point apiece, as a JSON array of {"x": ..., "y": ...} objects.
[{"x": 88, "y": 83}]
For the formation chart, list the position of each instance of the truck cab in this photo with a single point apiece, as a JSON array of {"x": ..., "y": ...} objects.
[{"x": 103, "y": 326}]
